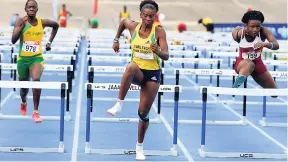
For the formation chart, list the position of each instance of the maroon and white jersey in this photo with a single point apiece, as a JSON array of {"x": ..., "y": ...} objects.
[{"x": 246, "y": 49}]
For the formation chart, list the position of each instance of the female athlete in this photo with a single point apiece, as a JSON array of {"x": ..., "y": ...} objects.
[
  {"x": 251, "y": 41},
  {"x": 148, "y": 44},
  {"x": 30, "y": 30}
]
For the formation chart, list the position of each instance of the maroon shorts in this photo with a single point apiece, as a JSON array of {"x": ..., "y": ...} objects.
[{"x": 260, "y": 68}]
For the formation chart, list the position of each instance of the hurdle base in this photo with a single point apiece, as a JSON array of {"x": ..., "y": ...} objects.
[
  {"x": 245, "y": 155},
  {"x": 88, "y": 150},
  {"x": 123, "y": 120},
  {"x": 263, "y": 123},
  {"x": 67, "y": 117},
  {"x": 31, "y": 150},
  {"x": 213, "y": 122}
]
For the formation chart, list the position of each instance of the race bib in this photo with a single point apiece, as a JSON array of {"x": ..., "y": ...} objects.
[
  {"x": 62, "y": 17},
  {"x": 148, "y": 56},
  {"x": 31, "y": 46},
  {"x": 251, "y": 56}
]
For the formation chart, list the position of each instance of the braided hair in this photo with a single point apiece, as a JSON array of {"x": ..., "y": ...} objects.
[{"x": 253, "y": 15}]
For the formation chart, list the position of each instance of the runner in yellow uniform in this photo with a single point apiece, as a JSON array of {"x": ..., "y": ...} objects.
[
  {"x": 149, "y": 45},
  {"x": 30, "y": 30},
  {"x": 124, "y": 15}
]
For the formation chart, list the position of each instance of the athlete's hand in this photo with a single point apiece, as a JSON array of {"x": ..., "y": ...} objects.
[
  {"x": 154, "y": 47},
  {"x": 48, "y": 47},
  {"x": 23, "y": 21},
  {"x": 259, "y": 45},
  {"x": 116, "y": 46}
]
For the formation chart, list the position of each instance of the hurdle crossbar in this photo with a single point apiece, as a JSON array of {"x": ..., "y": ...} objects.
[
  {"x": 47, "y": 67},
  {"x": 204, "y": 90},
  {"x": 107, "y": 51},
  {"x": 91, "y": 58},
  {"x": 44, "y": 85},
  {"x": 116, "y": 87},
  {"x": 194, "y": 60},
  {"x": 176, "y": 89}
]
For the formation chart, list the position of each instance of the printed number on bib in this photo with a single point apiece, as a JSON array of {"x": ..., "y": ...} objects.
[
  {"x": 251, "y": 56},
  {"x": 31, "y": 46}
]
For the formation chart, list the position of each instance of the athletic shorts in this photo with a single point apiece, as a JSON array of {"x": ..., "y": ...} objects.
[
  {"x": 150, "y": 76},
  {"x": 210, "y": 28},
  {"x": 24, "y": 64},
  {"x": 259, "y": 69}
]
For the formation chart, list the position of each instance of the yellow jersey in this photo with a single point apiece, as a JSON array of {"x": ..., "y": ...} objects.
[
  {"x": 31, "y": 39},
  {"x": 142, "y": 54},
  {"x": 124, "y": 15}
]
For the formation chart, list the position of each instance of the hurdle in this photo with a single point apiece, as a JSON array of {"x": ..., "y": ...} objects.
[
  {"x": 62, "y": 86},
  {"x": 54, "y": 57},
  {"x": 90, "y": 87},
  {"x": 263, "y": 122},
  {"x": 212, "y": 54},
  {"x": 242, "y": 92},
  {"x": 195, "y": 61},
  {"x": 68, "y": 68},
  {"x": 107, "y": 51},
  {"x": 11, "y": 49},
  {"x": 111, "y": 59},
  {"x": 108, "y": 45},
  {"x": 220, "y": 72}
]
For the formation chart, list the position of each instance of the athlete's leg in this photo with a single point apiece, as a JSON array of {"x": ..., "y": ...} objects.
[
  {"x": 148, "y": 93},
  {"x": 23, "y": 75},
  {"x": 36, "y": 73},
  {"x": 265, "y": 80},
  {"x": 132, "y": 73},
  {"x": 244, "y": 69},
  {"x": 262, "y": 76}
]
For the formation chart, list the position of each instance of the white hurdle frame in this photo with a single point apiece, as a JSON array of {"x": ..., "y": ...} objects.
[
  {"x": 54, "y": 57},
  {"x": 111, "y": 69},
  {"x": 176, "y": 89},
  {"x": 44, "y": 85},
  {"x": 222, "y": 72},
  {"x": 47, "y": 67},
  {"x": 242, "y": 92}
]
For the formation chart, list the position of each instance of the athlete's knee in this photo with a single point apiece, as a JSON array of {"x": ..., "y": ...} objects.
[
  {"x": 131, "y": 69},
  {"x": 143, "y": 116},
  {"x": 36, "y": 78}
]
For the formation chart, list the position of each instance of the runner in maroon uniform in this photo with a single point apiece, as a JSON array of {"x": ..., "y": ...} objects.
[{"x": 251, "y": 41}]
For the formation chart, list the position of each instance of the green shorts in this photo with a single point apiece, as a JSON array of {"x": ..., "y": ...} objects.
[{"x": 24, "y": 64}]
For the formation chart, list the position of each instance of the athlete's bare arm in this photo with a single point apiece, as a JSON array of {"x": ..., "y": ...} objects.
[
  {"x": 19, "y": 25},
  {"x": 52, "y": 24},
  {"x": 271, "y": 39},
  {"x": 236, "y": 34},
  {"x": 163, "y": 53},
  {"x": 126, "y": 24}
]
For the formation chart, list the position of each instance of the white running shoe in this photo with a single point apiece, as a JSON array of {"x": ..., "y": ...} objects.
[
  {"x": 140, "y": 152},
  {"x": 116, "y": 109}
]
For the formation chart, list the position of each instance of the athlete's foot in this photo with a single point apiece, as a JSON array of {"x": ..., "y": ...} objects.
[
  {"x": 116, "y": 109},
  {"x": 23, "y": 108},
  {"x": 36, "y": 117},
  {"x": 140, "y": 152}
]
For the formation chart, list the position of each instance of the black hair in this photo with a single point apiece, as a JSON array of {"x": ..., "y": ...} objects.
[
  {"x": 200, "y": 21},
  {"x": 29, "y": 1},
  {"x": 149, "y": 4},
  {"x": 252, "y": 15}
]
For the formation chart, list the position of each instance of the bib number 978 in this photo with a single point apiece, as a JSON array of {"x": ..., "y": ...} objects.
[{"x": 30, "y": 48}]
